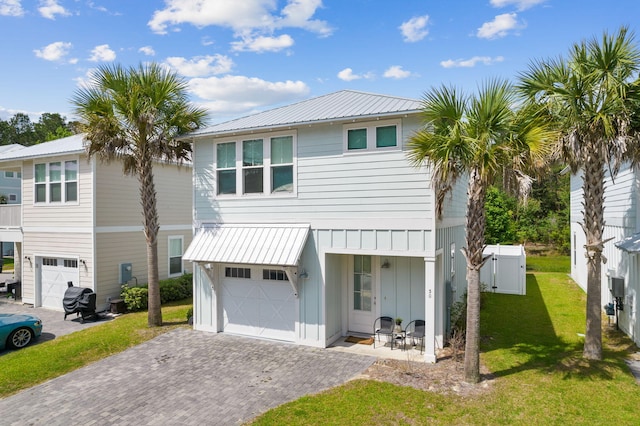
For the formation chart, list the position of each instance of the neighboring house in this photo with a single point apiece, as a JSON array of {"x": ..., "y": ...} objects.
[
  {"x": 622, "y": 250},
  {"x": 10, "y": 180},
  {"x": 310, "y": 223},
  {"x": 80, "y": 221}
]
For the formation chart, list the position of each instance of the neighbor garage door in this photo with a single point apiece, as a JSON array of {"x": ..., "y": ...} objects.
[
  {"x": 261, "y": 308},
  {"x": 54, "y": 275}
]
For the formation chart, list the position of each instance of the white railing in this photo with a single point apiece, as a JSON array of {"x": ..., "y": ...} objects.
[{"x": 10, "y": 215}]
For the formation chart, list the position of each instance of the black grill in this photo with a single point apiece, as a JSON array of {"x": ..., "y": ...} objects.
[{"x": 79, "y": 301}]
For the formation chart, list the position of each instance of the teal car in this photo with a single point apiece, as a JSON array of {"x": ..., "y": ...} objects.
[{"x": 18, "y": 330}]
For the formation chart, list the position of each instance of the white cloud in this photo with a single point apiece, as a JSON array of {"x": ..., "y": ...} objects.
[
  {"x": 470, "y": 63},
  {"x": 200, "y": 66},
  {"x": 11, "y": 8},
  {"x": 252, "y": 21},
  {"x": 147, "y": 50},
  {"x": 396, "y": 72},
  {"x": 519, "y": 4},
  {"x": 50, "y": 8},
  {"x": 102, "y": 53},
  {"x": 415, "y": 28},
  {"x": 263, "y": 44},
  {"x": 499, "y": 27},
  {"x": 54, "y": 51},
  {"x": 234, "y": 94},
  {"x": 348, "y": 75}
]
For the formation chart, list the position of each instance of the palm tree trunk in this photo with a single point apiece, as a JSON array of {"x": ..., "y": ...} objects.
[
  {"x": 475, "y": 245},
  {"x": 593, "y": 214},
  {"x": 151, "y": 229}
]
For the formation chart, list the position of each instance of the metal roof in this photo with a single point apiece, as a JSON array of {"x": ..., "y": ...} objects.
[
  {"x": 256, "y": 244},
  {"x": 68, "y": 145},
  {"x": 630, "y": 244},
  {"x": 10, "y": 147},
  {"x": 342, "y": 105}
]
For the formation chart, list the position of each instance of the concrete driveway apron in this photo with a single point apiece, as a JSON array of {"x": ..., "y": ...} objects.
[{"x": 184, "y": 377}]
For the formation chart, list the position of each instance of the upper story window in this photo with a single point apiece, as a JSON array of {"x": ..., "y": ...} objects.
[
  {"x": 56, "y": 182},
  {"x": 372, "y": 136},
  {"x": 255, "y": 166}
]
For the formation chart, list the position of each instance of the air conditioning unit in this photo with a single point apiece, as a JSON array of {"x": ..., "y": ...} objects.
[{"x": 616, "y": 286}]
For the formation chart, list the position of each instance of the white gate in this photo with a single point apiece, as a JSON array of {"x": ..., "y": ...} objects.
[{"x": 505, "y": 270}]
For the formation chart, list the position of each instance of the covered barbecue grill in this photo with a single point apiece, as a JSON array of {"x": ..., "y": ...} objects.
[{"x": 79, "y": 300}]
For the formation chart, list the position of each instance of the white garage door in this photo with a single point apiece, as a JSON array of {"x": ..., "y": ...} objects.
[
  {"x": 54, "y": 275},
  {"x": 262, "y": 308}
]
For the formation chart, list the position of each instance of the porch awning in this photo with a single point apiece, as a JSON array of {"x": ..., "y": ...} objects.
[
  {"x": 630, "y": 244},
  {"x": 257, "y": 244}
]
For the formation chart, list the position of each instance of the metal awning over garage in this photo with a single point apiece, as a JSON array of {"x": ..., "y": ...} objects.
[
  {"x": 630, "y": 244},
  {"x": 256, "y": 244}
]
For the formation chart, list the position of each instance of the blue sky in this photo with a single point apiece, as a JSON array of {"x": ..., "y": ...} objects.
[{"x": 243, "y": 56}]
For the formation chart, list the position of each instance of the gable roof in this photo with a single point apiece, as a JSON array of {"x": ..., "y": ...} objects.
[
  {"x": 69, "y": 145},
  {"x": 342, "y": 105}
]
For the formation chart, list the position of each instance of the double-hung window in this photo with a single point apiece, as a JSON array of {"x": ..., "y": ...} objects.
[
  {"x": 381, "y": 135},
  {"x": 252, "y": 166},
  {"x": 175, "y": 256},
  {"x": 258, "y": 166},
  {"x": 226, "y": 167},
  {"x": 56, "y": 182}
]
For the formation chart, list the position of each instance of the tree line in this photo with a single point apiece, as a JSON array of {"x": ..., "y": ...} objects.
[{"x": 19, "y": 129}]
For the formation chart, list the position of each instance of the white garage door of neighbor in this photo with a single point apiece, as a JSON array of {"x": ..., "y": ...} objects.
[
  {"x": 54, "y": 275},
  {"x": 261, "y": 308}
]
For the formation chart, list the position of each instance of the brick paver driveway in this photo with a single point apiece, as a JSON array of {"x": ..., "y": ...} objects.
[{"x": 184, "y": 377}]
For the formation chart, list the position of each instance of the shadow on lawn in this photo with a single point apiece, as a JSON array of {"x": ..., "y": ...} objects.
[{"x": 521, "y": 329}]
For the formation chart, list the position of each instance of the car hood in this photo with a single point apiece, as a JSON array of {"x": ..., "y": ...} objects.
[{"x": 7, "y": 319}]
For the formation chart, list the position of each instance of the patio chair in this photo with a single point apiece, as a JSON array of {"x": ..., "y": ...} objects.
[
  {"x": 415, "y": 331},
  {"x": 382, "y": 325}
]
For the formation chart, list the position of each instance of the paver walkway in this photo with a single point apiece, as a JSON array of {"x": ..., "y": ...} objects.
[{"x": 184, "y": 377}]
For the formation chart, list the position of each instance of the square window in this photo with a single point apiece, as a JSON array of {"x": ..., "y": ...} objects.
[
  {"x": 226, "y": 155},
  {"x": 282, "y": 179},
  {"x": 252, "y": 153},
  {"x": 357, "y": 139},
  {"x": 386, "y": 136},
  {"x": 282, "y": 150},
  {"x": 226, "y": 181}
]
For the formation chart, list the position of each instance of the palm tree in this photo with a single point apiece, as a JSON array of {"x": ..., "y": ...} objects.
[
  {"x": 476, "y": 138},
  {"x": 592, "y": 95},
  {"x": 133, "y": 116}
]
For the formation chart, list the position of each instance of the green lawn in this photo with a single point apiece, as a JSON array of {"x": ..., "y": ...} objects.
[{"x": 532, "y": 345}]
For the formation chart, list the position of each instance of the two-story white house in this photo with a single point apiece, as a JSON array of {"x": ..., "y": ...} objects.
[
  {"x": 621, "y": 274},
  {"x": 310, "y": 223},
  {"x": 81, "y": 221}
]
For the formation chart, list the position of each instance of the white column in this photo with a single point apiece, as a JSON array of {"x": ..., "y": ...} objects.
[{"x": 430, "y": 309}]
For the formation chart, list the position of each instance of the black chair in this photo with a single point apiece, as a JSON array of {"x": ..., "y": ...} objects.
[
  {"x": 384, "y": 326},
  {"x": 415, "y": 331}
]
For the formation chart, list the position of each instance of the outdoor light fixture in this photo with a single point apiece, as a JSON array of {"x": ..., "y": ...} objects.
[
  {"x": 304, "y": 275},
  {"x": 385, "y": 264}
]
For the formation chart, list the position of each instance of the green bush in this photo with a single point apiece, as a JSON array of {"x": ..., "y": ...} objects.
[
  {"x": 189, "y": 313},
  {"x": 136, "y": 298},
  {"x": 172, "y": 289}
]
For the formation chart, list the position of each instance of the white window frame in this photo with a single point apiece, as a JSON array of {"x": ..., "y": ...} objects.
[
  {"x": 169, "y": 257},
  {"x": 371, "y": 127},
  {"x": 266, "y": 166},
  {"x": 63, "y": 183}
]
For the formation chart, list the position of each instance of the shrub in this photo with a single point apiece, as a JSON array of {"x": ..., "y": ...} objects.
[
  {"x": 136, "y": 298},
  {"x": 172, "y": 289},
  {"x": 190, "y": 313}
]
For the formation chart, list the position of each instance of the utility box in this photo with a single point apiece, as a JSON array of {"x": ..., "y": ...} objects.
[
  {"x": 616, "y": 286},
  {"x": 126, "y": 272},
  {"x": 505, "y": 270}
]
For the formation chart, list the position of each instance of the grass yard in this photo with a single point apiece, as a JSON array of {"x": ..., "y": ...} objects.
[
  {"x": 532, "y": 345},
  {"x": 38, "y": 363}
]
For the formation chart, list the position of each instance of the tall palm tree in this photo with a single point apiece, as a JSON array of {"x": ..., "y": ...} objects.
[
  {"x": 476, "y": 138},
  {"x": 592, "y": 95},
  {"x": 133, "y": 116}
]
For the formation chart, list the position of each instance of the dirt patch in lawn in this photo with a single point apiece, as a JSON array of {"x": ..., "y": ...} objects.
[{"x": 444, "y": 377}]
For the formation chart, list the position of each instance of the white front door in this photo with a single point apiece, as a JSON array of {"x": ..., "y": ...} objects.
[{"x": 361, "y": 294}]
